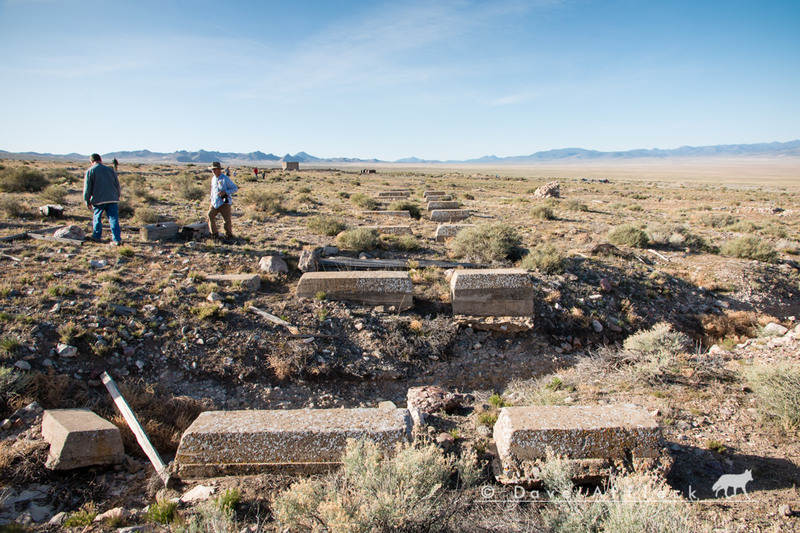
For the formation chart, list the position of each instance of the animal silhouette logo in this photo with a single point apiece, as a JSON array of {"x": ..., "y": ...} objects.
[{"x": 735, "y": 481}]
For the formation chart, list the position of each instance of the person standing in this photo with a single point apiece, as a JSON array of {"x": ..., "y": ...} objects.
[
  {"x": 222, "y": 189},
  {"x": 255, "y": 172},
  {"x": 101, "y": 192},
  {"x": 115, "y": 163}
]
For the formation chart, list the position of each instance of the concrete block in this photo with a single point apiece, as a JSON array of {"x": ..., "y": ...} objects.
[
  {"x": 492, "y": 292},
  {"x": 79, "y": 438},
  {"x": 370, "y": 288},
  {"x": 160, "y": 231},
  {"x": 391, "y": 230},
  {"x": 595, "y": 438},
  {"x": 439, "y": 198},
  {"x": 442, "y": 205},
  {"x": 399, "y": 214},
  {"x": 298, "y": 441},
  {"x": 449, "y": 215},
  {"x": 448, "y": 231},
  {"x": 425, "y": 194},
  {"x": 249, "y": 281},
  {"x": 400, "y": 194}
]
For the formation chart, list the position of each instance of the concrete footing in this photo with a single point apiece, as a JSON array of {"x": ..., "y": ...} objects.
[
  {"x": 79, "y": 438},
  {"x": 492, "y": 292},
  {"x": 370, "y": 288}
]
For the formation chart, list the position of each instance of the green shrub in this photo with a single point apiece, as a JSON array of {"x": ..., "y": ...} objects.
[
  {"x": 403, "y": 491},
  {"x": 750, "y": 247},
  {"x": 162, "y": 512},
  {"x": 654, "y": 351},
  {"x": 54, "y": 194},
  {"x": 628, "y": 235},
  {"x": 777, "y": 388},
  {"x": 676, "y": 235},
  {"x": 545, "y": 257},
  {"x": 22, "y": 179},
  {"x": 542, "y": 212},
  {"x": 744, "y": 226},
  {"x": 358, "y": 239},
  {"x": 486, "y": 243},
  {"x": 406, "y": 205},
  {"x": 405, "y": 243},
  {"x": 228, "y": 500},
  {"x": 83, "y": 517},
  {"x": 11, "y": 207},
  {"x": 326, "y": 225},
  {"x": 364, "y": 202}
]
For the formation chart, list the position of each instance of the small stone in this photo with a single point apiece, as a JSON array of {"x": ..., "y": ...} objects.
[
  {"x": 597, "y": 326},
  {"x": 386, "y": 404},
  {"x": 128, "y": 351},
  {"x": 785, "y": 510},
  {"x": 214, "y": 297},
  {"x": 330, "y": 250},
  {"x": 117, "y": 513},
  {"x": 445, "y": 438},
  {"x": 65, "y": 350},
  {"x": 58, "y": 519},
  {"x": 198, "y": 493},
  {"x": 5, "y": 424},
  {"x": 22, "y": 365},
  {"x": 98, "y": 264},
  {"x": 605, "y": 286},
  {"x": 273, "y": 264},
  {"x": 773, "y": 328},
  {"x": 140, "y": 364}
]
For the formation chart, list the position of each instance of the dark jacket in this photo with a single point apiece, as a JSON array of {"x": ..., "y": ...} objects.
[{"x": 101, "y": 185}]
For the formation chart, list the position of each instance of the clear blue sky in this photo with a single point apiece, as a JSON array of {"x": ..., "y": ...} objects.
[{"x": 432, "y": 79}]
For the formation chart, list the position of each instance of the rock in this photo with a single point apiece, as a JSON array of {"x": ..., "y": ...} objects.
[
  {"x": 5, "y": 424},
  {"x": 98, "y": 264},
  {"x": 117, "y": 514},
  {"x": 785, "y": 510},
  {"x": 445, "y": 439},
  {"x": 430, "y": 399},
  {"x": 273, "y": 264},
  {"x": 70, "y": 232},
  {"x": 775, "y": 329},
  {"x": 214, "y": 297},
  {"x": 330, "y": 250},
  {"x": 79, "y": 438},
  {"x": 58, "y": 519},
  {"x": 65, "y": 350},
  {"x": 198, "y": 493},
  {"x": 22, "y": 365},
  {"x": 128, "y": 351},
  {"x": 309, "y": 261},
  {"x": 386, "y": 405},
  {"x": 605, "y": 286},
  {"x": 548, "y": 190},
  {"x": 417, "y": 415},
  {"x": 484, "y": 431},
  {"x": 597, "y": 326}
]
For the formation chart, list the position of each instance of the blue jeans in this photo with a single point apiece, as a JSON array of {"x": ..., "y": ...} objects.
[{"x": 112, "y": 212}]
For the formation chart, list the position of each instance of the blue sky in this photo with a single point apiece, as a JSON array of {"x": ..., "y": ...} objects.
[{"x": 432, "y": 79}]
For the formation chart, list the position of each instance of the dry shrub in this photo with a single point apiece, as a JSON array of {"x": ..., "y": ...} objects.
[
  {"x": 22, "y": 179},
  {"x": 54, "y": 194},
  {"x": 364, "y": 202},
  {"x": 750, "y": 247},
  {"x": 146, "y": 215},
  {"x": 406, "y": 205},
  {"x": 375, "y": 491},
  {"x": 290, "y": 360},
  {"x": 778, "y": 390},
  {"x": 736, "y": 326},
  {"x": 22, "y": 461},
  {"x": 11, "y": 207},
  {"x": 265, "y": 201},
  {"x": 358, "y": 239},
  {"x": 164, "y": 417},
  {"x": 326, "y": 225},
  {"x": 718, "y": 220},
  {"x": 628, "y": 235},
  {"x": 542, "y": 212},
  {"x": 56, "y": 391},
  {"x": 545, "y": 257},
  {"x": 486, "y": 243},
  {"x": 676, "y": 236},
  {"x": 187, "y": 187}
]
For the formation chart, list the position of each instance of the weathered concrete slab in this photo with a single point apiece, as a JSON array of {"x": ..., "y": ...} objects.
[
  {"x": 249, "y": 281},
  {"x": 79, "y": 438},
  {"x": 399, "y": 214},
  {"x": 492, "y": 292},
  {"x": 299, "y": 441},
  {"x": 448, "y": 231},
  {"x": 425, "y": 194},
  {"x": 399, "y": 193},
  {"x": 449, "y": 215},
  {"x": 595, "y": 438},
  {"x": 439, "y": 198},
  {"x": 442, "y": 205},
  {"x": 370, "y": 288},
  {"x": 391, "y": 230}
]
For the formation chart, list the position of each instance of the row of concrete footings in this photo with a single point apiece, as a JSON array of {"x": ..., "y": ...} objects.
[
  {"x": 475, "y": 292},
  {"x": 596, "y": 439}
]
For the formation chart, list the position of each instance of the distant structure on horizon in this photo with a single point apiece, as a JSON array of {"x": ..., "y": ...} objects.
[{"x": 291, "y": 165}]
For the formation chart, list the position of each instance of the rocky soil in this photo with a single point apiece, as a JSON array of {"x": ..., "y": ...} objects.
[{"x": 178, "y": 344}]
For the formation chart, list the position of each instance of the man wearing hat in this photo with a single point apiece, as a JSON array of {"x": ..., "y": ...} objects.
[
  {"x": 222, "y": 189},
  {"x": 101, "y": 192}
]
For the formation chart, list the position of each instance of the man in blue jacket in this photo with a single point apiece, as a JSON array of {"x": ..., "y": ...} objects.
[
  {"x": 222, "y": 189},
  {"x": 101, "y": 193}
]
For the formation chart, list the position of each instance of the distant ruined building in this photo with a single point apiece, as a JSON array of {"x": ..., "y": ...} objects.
[{"x": 291, "y": 165}]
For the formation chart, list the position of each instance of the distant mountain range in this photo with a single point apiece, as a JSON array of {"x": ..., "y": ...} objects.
[{"x": 774, "y": 149}]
